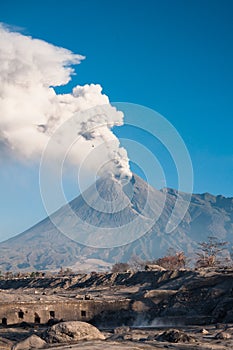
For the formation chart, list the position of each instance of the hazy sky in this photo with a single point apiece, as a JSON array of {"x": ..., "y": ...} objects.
[{"x": 172, "y": 56}]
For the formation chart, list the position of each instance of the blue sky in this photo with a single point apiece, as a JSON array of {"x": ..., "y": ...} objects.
[{"x": 172, "y": 56}]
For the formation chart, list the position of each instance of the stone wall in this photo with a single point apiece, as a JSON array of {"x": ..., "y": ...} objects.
[{"x": 41, "y": 312}]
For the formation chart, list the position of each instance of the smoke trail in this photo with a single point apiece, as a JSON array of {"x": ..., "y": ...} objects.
[{"x": 31, "y": 111}]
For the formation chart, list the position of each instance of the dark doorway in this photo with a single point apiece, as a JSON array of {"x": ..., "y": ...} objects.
[
  {"x": 83, "y": 313},
  {"x": 52, "y": 314},
  {"x": 4, "y": 321},
  {"x": 21, "y": 314},
  {"x": 37, "y": 318}
]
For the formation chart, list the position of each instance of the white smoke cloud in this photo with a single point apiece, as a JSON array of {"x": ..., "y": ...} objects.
[{"x": 31, "y": 111}]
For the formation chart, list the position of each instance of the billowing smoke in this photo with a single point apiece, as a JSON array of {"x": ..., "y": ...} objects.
[{"x": 31, "y": 111}]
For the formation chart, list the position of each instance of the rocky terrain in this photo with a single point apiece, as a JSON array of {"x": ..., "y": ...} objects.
[
  {"x": 190, "y": 338},
  {"x": 44, "y": 247},
  {"x": 187, "y": 297},
  {"x": 168, "y": 309}
]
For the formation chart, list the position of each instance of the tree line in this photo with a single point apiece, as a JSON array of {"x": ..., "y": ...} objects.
[{"x": 209, "y": 254}]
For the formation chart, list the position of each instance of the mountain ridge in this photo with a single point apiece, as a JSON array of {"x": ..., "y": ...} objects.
[{"x": 43, "y": 247}]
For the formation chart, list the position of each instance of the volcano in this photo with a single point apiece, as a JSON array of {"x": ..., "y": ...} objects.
[{"x": 112, "y": 221}]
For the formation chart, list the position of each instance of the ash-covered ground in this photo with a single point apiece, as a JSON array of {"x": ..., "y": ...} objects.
[{"x": 152, "y": 310}]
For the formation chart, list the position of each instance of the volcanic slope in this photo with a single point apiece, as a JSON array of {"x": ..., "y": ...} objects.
[{"x": 93, "y": 226}]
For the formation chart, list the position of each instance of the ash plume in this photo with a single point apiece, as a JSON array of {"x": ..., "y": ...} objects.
[{"x": 31, "y": 111}]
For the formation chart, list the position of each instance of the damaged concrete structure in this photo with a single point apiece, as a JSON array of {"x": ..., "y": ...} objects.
[
  {"x": 69, "y": 310},
  {"x": 114, "y": 299}
]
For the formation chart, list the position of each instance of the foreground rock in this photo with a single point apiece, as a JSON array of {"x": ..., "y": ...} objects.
[
  {"x": 72, "y": 331},
  {"x": 223, "y": 335},
  {"x": 32, "y": 342},
  {"x": 175, "y": 336}
]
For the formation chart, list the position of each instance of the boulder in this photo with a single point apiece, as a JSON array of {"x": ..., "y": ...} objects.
[
  {"x": 204, "y": 331},
  {"x": 72, "y": 331},
  {"x": 175, "y": 336},
  {"x": 154, "y": 267},
  {"x": 32, "y": 342},
  {"x": 223, "y": 335},
  {"x": 121, "y": 330}
]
